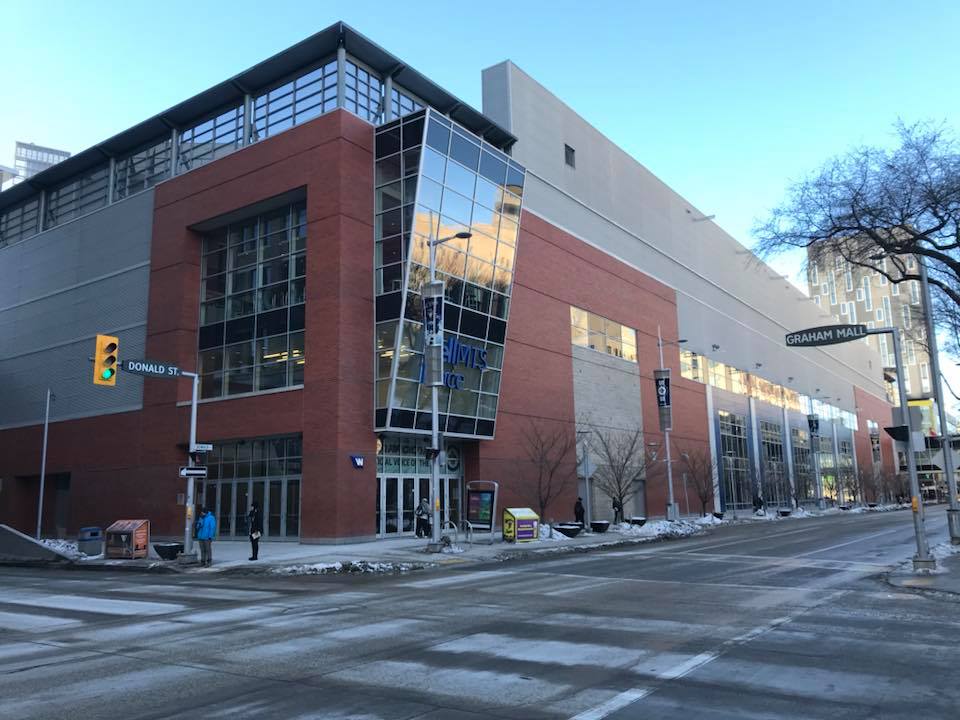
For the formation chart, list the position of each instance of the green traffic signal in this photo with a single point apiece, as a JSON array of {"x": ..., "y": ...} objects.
[{"x": 107, "y": 373}]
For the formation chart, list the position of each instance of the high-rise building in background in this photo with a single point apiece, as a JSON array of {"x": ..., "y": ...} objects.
[
  {"x": 853, "y": 294},
  {"x": 29, "y": 159}
]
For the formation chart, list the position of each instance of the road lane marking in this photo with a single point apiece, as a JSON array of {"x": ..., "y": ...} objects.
[
  {"x": 615, "y": 703},
  {"x": 478, "y": 576},
  {"x": 25, "y": 622},
  {"x": 852, "y": 542}
]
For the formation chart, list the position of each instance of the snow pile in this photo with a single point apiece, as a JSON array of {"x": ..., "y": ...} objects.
[
  {"x": 64, "y": 547},
  {"x": 452, "y": 550},
  {"x": 354, "y": 567},
  {"x": 546, "y": 534},
  {"x": 659, "y": 528},
  {"x": 708, "y": 520}
]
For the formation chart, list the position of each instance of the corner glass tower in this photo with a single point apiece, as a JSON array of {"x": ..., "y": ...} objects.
[{"x": 435, "y": 179}]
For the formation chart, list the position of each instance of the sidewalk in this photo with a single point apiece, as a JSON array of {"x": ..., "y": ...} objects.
[
  {"x": 395, "y": 554},
  {"x": 946, "y": 578}
]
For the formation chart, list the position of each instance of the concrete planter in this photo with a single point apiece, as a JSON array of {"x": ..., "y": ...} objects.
[
  {"x": 571, "y": 530},
  {"x": 638, "y": 521},
  {"x": 168, "y": 550},
  {"x": 599, "y": 526}
]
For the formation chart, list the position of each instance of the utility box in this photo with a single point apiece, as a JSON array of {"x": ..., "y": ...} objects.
[
  {"x": 128, "y": 539},
  {"x": 90, "y": 540},
  {"x": 520, "y": 525}
]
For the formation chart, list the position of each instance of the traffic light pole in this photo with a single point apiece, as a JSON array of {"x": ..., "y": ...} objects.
[{"x": 189, "y": 512}]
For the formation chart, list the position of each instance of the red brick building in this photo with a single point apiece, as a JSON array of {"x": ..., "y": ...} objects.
[{"x": 270, "y": 243}]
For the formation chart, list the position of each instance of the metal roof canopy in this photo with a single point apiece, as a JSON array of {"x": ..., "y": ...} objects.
[{"x": 272, "y": 71}]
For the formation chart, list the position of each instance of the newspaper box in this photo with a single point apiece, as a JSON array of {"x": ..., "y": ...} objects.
[
  {"x": 128, "y": 539},
  {"x": 520, "y": 525}
]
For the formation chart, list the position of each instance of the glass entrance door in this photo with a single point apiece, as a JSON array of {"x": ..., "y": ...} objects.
[{"x": 398, "y": 497}]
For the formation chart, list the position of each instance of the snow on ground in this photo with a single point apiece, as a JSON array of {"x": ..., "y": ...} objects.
[
  {"x": 452, "y": 550},
  {"x": 659, "y": 528},
  {"x": 360, "y": 566},
  {"x": 64, "y": 547}
]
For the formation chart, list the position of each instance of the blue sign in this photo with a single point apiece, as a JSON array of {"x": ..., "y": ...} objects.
[
  {"x": 357, "y": 461},
  {"x": 461, "y": 353}
]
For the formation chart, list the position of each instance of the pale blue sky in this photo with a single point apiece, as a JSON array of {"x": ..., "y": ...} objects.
[{"x": 725, "y": 101}]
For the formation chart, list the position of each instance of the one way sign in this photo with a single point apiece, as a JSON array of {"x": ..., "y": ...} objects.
[{"x": 193, "y": 472}]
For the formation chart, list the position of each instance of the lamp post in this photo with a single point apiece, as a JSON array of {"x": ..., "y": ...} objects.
[
  {"x": 672, "y": 513},
  {"x": 953, "y": 510},
  {"x": 43, "y": 460},
  {"x": 433, "y": 297},
  {"x": 587, "y": 472},
  {"x": 728, "y": 456}
]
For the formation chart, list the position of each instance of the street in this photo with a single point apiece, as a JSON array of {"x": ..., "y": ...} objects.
[{"x": 764, "y": 620}]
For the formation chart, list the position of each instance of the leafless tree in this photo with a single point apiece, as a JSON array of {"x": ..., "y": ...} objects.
[
  {"x": 550, "y": 462},
  {"x": 877, "y": 209},
  {"x": 621, "y": 462},
  {"x": 700, "y": 468}
]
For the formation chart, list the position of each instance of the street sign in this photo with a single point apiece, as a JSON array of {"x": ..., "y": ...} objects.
[
  {"x": 193, "y": 472},
  {"x": 661, "y": 377},
  {"x": 201, "y": 447},
  {"x": 826, "y": 335},
  {"x": 150, "y": 368}
]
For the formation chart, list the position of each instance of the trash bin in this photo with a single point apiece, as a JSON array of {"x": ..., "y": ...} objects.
[
  {"x": 520, "y": 525},
  {"x": 90, "y": 540},
  {"x": 128, "y": 539}
]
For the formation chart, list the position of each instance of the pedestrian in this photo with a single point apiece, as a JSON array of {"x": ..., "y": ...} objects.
[
  {"x": 422, "y": 514},
  {"x": 205, "y": 533},
  {"x": 617, "y": 511},
  {"x": 255, "y": 523},
  {"x": 579, "y": 512}
]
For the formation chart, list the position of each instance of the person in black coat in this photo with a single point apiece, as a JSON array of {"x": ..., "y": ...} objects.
[
  {"x": 579, "y": 511},
  {"x": 255, "y": 523}
]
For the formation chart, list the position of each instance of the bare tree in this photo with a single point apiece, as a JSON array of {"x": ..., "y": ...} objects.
[
  {"x": 550, "y": 466},
  {"x": 699, "y": 467},
  {"x": 878, "y": 209},
  {"x": 621, "y": 462}
]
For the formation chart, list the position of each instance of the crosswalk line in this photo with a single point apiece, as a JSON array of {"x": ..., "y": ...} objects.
[
  {"x": 28, "y": 622},
  {"x": 89, "y": 604},
  {"x": 188, "y": 592},
  {"x": 556, "y": 652},
  {"x": 458, "y": 579}
]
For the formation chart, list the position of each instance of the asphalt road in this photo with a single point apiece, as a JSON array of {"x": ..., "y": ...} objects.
[{"x": 770, "y": 620}]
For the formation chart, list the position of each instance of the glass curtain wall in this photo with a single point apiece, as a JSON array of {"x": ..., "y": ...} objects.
[
  {"x": 435, "y": 179},
  {"x": 828, "y": 469}
]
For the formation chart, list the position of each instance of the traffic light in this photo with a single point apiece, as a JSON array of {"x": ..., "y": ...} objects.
[{"x": 105, "y": 360}]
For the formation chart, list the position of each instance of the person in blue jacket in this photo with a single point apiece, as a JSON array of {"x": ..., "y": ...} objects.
[{"x": 208, "y": 529}]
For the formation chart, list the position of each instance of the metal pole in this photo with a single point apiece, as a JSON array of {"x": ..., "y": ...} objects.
[
  {"x": 43, "y": 462},
  {"x": 190, "y": 510},
  {"x": 923, "y": 559},
  {"x": 953, "y": 510},
  {"x": 434, "y": 422},
  {"x": 671, "y": 507}
]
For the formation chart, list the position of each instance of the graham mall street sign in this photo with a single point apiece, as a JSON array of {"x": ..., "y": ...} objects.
[{"x": 826, "y": 335}]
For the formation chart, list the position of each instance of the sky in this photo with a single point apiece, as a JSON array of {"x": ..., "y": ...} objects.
[{"x": 727, "y": 102}]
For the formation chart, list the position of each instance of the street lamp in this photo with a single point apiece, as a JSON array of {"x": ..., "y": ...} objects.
[
  {"x": 672, "y": 513},
  {"x": 728, "y": 456},
  {"x": 433, "y": 297},
  {"x": 587, "y": 471}
]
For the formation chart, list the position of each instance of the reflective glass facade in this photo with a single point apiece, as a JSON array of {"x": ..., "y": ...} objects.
[{"x": 435, "y": 179}]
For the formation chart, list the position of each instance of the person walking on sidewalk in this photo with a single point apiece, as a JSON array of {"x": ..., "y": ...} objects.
[
  {"x": 422, "y": 514},
  {"x": 205, "y": 533},
  {"x": 579, "y": 512},
  {"x": 255, "y": 523}
]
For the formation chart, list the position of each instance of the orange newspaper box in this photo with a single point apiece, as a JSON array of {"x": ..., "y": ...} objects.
[{"x": 128, "y": 539}]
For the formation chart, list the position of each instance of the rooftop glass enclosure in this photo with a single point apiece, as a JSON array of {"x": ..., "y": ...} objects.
[
  {"x": 435, "y": 179},
  {"x": 335, "y": 68}
]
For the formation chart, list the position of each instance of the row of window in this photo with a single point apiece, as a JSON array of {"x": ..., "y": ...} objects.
[
  {"x": 308, "y": 95},
  {"x": 726, "y": 377}
]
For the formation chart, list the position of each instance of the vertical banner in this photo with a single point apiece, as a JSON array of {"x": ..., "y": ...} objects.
[
  {"x": 661, "y": 378},
  {"x": 814, "y": 424},
  {"x": 432, "y": 299}
]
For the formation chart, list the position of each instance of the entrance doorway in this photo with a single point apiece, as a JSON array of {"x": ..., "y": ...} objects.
[
  {"x": 403, "y": 480},
  {"x": 230, "y": 501}
]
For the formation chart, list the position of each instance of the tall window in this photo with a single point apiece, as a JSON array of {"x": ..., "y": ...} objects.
[
  {"x": 735, "y": 464},
  {"x": 802, "y": 464},
  {"x": 253, "y": 277},
  {"x": 602, "y": 335},
  {"x": 362, "y": 93}
]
